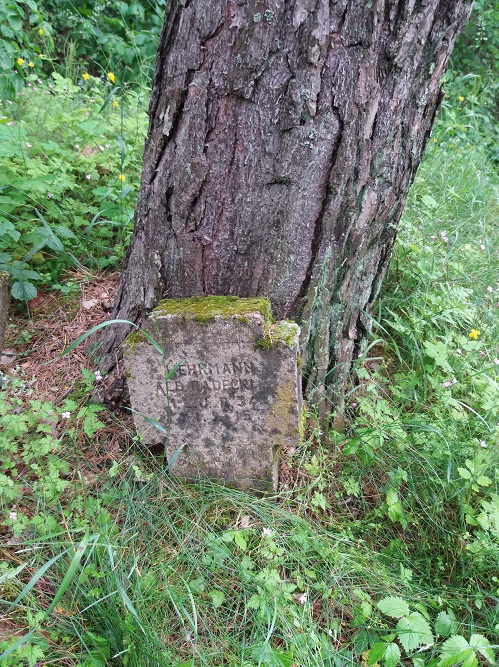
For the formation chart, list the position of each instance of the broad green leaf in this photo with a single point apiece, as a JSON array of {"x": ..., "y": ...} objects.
[
  {"x": 409, "y": 639},
  {"x": 197, "y": 585},
  {"x": 63, "y": 231},
  {"x": 102, "y": 191},
  {"x": 419, "y": 606},
  {"x": 395, "y": 511},
  {"x": 483, "y": 646},
  {"x": 413, "y": 631},
  {"x": 392, "y": 655},
  {"x": 394, "y": 607},
  {"x": 421, "y": 625},
  {"x": 23, "y": 291},
  {"x": 217, "y": 598},
  {"x": 392, "y": 497},
  {"x": 90, "y": 125},
  {"x": 454, "y": 650},
  {"x": 366, "y": 608},
  {"x": 351, "y": 446},
  {"x": 376, "y": 653},
  {"x": 8, "y": 229},
  {"x": 254, "y": 602},
  {"x": 466, "y": 658},
  {"x": 26, "y": 274},
  {"x": 98, "y": 648},
  {"x": 429, "y": 201},
  {"x": 240, "y": 540},
  {"x": 444, "y": 624},
  {"x": 283, "y": 658}
]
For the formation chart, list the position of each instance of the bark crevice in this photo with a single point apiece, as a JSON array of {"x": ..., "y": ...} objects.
[{"x": 281, "y": 146}]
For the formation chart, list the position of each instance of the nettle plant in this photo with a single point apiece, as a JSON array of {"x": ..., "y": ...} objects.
[{"x": 427, "y": 642}]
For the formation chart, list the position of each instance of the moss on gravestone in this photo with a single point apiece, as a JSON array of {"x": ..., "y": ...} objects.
[
  {"x": 206, "y": 308},
  {"x": 283, "y": 332}
]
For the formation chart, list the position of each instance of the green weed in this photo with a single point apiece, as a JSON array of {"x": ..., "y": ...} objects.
[{"x": 69, "y": 201}]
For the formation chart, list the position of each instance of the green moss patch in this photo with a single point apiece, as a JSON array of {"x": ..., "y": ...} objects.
[
  {"x": 206, "y": 308},
  {"x": 134, "y": 338},
  {"x": 283, "y": 332}
]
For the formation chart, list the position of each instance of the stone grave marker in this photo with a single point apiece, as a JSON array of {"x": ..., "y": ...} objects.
[{"x": 234, "y": 395}]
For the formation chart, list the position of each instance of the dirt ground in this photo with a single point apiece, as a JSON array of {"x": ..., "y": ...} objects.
[{"x": 38, "y": 333}]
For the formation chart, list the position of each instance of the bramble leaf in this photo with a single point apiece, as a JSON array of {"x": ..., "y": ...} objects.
[
  {"x": 392, "y": 655},
  {"x": 456, "y": 649},
  {"x": 217, "y": 598},
  {"x": 413, "y": 631},
  {"x": 394, "y": 607},
  {"x": 444, "y": 624},
  {"x": 23, "y": 291},
  {"x": 483, "y": 646}
]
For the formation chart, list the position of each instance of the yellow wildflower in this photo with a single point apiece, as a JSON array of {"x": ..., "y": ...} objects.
[
  {"x": 40, "y": 55},
  {"x": 111, "y": 77},
  {"x": 461, "y": 98},
  {"x": 122, "y": 177},
  {"x": 474, "y": 333},
  {"x": 116, "y": 103},
  {"x": 20, "y": 61},
  {"x": 31, "y": 64},
  {"x": 41, "y": 31},
  {"x": 86, "y": 76}
]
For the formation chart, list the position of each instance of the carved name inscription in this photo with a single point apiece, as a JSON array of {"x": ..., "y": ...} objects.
[
  {"x": 229, "y": 405},
  {"x": 221, "y": 382}
]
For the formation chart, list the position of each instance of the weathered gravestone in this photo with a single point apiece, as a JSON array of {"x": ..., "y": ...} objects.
[{"x": 235, "y": 398}]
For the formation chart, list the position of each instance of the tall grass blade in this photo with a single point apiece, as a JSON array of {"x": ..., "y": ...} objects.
[
  {"x": 108, "y": 98},
  {"x": 68, "y": 577}
]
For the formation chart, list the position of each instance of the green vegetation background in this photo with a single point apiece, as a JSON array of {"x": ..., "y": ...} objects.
[{"x": 383, "y": 547}]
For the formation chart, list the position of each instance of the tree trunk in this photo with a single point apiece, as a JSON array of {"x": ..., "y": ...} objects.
[{"x": 283, "y": 140}]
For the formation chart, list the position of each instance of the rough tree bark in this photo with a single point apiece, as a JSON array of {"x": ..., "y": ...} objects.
[{"x": 283, "y": 138}]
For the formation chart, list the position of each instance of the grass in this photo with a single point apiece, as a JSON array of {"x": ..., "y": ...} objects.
[
  {"x": 419, "y": 461},
  {"x": 177, "y": 573}
]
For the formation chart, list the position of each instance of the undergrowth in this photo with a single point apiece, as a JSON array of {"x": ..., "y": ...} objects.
[
  {"x": 70, "y": 160},
  {"x": 417, "y": 465},
  {"x": 127, "y": 566},
  {"x": 383, "y": 544}
]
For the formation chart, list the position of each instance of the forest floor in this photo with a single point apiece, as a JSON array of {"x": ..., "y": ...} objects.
[{"x": 40, "y": 333}]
